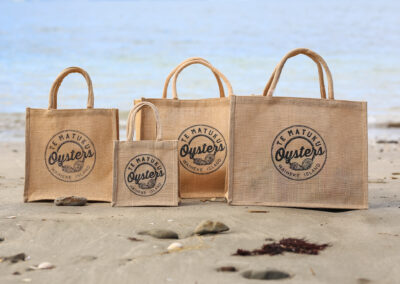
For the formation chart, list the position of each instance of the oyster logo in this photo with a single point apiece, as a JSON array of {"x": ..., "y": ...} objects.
[
  {"x": 202, "y": 149},
  {"x": 145, "y": 175},
  {"x": 298, "y": 152},
  {"x": 70, "y": 155}
]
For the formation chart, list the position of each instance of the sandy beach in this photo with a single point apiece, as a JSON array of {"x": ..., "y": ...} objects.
[{"x": 90, "y": 244}]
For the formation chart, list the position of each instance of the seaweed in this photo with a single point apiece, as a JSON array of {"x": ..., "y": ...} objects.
[{"x": 293, "y": 245}]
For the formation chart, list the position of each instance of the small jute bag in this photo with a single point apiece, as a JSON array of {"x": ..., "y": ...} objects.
[
  {"x": 69, "y": 151},
  {"x": 146, "y": 173},
  {"x": 298, "y": 152},
  {"x": 201, "y": 128}
]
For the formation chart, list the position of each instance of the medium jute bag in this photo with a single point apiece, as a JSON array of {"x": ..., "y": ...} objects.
[
  {"x": 69, "y": 151},
  {"x": 201, "y": 128},
  {"x": 298, "y": 152},
  {"x": 146, "y": 173}
]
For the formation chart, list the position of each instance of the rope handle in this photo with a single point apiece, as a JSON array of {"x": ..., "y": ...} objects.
[
  {"x": 320, "y": 77},
  {"x": 130, "y": 127},
  {"x": 215, "y": 71},
  {"x": 57, "y": 83},
  {"x": 270, "y": 87}
]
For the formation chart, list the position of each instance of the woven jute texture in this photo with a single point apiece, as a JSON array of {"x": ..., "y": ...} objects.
[
  {"x": 69, "y": 151},
  {"x": 146, "y": 173},
  {"x": 298, "y": 152},
  {"x": 201, "y": 128}
]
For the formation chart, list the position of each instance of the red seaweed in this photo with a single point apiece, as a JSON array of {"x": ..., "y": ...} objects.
[{"x": 293, "y": 245}]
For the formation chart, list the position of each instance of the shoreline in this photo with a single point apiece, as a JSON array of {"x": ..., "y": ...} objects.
[{"x": 12, "y": 127}]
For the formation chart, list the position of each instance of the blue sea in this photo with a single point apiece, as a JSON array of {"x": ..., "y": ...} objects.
[{"x": 129, "y": 47}]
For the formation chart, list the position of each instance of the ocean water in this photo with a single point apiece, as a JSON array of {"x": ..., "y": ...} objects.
[{"x": 129, "y": 47}]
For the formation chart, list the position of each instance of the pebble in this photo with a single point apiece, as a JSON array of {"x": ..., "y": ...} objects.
[
  {"x": 210, "y": 227},
  {"x": 175, "y": 247},
  {"x": 1, "y": 239},
  {"x": 70, "y": 201},
  {"x": 160, "y": 234},
  {"x": 265, "y": 274},
  {"x": 226, "y": 269},
  {"x": 14, "y": 258},
  {"x": 45, "y": 265}
]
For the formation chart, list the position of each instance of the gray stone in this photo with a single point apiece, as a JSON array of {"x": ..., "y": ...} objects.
[
  {"x": 160, "y": 234},
  {"x": 265, "y": 274},
  {"x": 210, "y": 227},
  {"x": 14, "y": 258},
  {"x": 70, "y": 201}
]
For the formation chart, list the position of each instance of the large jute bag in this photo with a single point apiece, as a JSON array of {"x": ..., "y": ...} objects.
[
  {"x": 201, "y": 128},
  {"x": 298, "y": 152},
  {"x": 145, "y": 172},
  {"x": 69, "y": 151}
]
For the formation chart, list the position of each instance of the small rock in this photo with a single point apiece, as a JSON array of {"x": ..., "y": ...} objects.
[
  {"x": 210, "y": 227},
  {"x": 11, "y": 217},
  {"x": 14, "y": 258},
  {"x": 16, "y": 273},
  {"x": 70, "y": 201},
  {"x": 160, "y": 234},
  {"x": 1, "y": 239},
  {"x": 363, "y": 281},
  {"x": 21, "y": 227},
  {"x": 175, "y": 247},
  {"x": 265, "y": 274},
  {"x": 87, "y": 258},
  {"x": 26, "y": 280},
  {"x": 45, "y": 265},
  {"x": 133, "y": 239},
  {"x": 226, "y": 269}
]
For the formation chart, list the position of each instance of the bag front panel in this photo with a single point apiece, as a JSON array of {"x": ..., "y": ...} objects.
[
  {"x": 298, "y": 152},
  {"x": 201, "y": 128},
  {"x": 146, "y": 173},
  {"x": 69, "y": 152}
]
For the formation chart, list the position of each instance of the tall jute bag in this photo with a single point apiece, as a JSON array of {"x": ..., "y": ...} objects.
[
  {"x": 145, "y": 172},
  {"x": 201, "y": 128},
  {"x": 298, "y": 152},
  {"x": 69, "y": 151}
]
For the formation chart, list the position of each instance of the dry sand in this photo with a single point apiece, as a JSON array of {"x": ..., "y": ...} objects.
[{"x": 89, "y": 244}]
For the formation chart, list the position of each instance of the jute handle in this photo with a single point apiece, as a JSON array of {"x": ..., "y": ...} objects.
[
  {"x": 320, "y": 76},
  {"x": 215, "y": 70},
  {"x": 220, "y": 86},
  {"x": 130, "y": 127},
  {"x": 57, "y": 83},
  {"x": 309, "y": 53}
]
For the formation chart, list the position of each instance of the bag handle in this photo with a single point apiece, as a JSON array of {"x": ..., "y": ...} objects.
[
  {"x": 165, "y": 90},
  {"x": 130, "y": 127},
  {"x": 215, "y": 70},
  {"x": 320, "y": 76},
  {"x": 57, "y": 83},
  {"x": 309, "y": 53}
]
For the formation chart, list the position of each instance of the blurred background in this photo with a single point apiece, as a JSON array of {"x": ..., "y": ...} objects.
[{"x": 129, "y": 47}]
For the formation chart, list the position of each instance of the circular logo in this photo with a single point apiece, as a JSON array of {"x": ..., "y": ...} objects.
[
  {"x": 70, "y": 155},
  {"x": 145, "y": 175},
  {"x": 202, "y": 149},
  {"x": 298, "y": 152}
]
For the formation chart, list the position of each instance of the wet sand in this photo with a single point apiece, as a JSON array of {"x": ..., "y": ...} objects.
[{"x": 89, "y": 244}]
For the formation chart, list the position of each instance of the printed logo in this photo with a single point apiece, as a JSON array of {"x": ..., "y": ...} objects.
[
  {"x": 70, "y": 155},
  {"x": 298, "y": 152},
  {"x": 145, "y": 175},
  {"x": 202, "y": 149}
]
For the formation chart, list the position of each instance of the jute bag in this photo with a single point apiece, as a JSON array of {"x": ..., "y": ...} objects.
[
  {"x": 298, "y": 152},
  {"x": 69, "y": 151},
  {"x": 145, "y": 172},
  {"x": 201, "y": 128}
]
